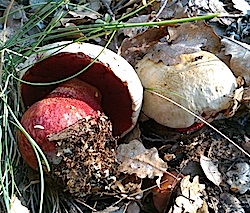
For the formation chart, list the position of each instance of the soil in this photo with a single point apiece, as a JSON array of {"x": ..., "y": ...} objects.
[{"x": 187, "y": 150}]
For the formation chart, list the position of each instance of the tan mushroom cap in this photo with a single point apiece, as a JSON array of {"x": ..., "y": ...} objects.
[
  {"x": 119, "y": 84},
  {"x": 201, "y": 83}
]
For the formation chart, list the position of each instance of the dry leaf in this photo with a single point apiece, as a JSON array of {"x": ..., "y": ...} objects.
[
  {"x": 241, "y": 5},
  {"x": 184, "y": 38},
  {"x": 198, "y": 34},
  {"x": 162, "y": 195},
  {"x": 190, "y": 197},
  {"x": 136, "y": 159},
  {"x": 133, "y": 208},
  {"x": 132, "y": 49},
  {"x": 239, "y": 177},
  {"x": 133, "y": 31},
  {"x": 166, "y": 10},
  {"x": 214, "y": 6},
  {"x": 211, "y": 170},
  {"x": 245, "y": 201},
  {"x": 239, "y": 62},
  {"x": 110, "y": 209},
  {"x": 246, "y": 144},
  {"x": 17, "y": 207},
  {"x": 135, "y": 134}
]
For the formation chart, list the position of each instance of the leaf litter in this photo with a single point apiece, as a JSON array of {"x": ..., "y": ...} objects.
[{"x": 191, "y": 193}]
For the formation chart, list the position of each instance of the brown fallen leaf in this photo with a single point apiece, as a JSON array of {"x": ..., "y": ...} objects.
[
  {"x": 169, "y": 42},
  {"x": 132, "y": 49},
  {"x": 198, "y": 34},
  {"x": 162, "y": 194},
  {"x": 136, "y": 159}
]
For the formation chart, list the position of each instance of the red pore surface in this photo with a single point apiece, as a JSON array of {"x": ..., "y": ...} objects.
[
  {"x": 116, "y": 100},
  {"x": 55, "y": 113},
  {"x": 79, "y": 90}
]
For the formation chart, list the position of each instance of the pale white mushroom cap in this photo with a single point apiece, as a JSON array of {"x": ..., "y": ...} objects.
[
  {"x": 201, "y": 83},
  {"x": 120, "y": 67}
]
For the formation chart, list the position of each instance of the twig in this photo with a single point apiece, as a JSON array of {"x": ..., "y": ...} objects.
[
  {"x": 117, "y": 7},
  {"x": 86, "y": 205},
  {"x": 160, "y": 10},
  {"x": 119, "y": 4}
]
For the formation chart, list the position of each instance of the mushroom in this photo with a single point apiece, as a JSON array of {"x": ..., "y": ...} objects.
[
  {"x": 200, "y": 82},
  {"x": 76, "y": 123}
]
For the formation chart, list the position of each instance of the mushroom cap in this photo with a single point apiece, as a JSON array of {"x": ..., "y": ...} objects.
[
  {"x": 200, "y": 82},
  {"x": 70, "y": 102},
  {"x": 47, "y": 116},
  {"x": 111, "y": 74}
]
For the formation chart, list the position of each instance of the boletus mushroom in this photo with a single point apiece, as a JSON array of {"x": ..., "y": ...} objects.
[
  {"x": 200, "y": 82},
  {"x": 76, "y": 123}
]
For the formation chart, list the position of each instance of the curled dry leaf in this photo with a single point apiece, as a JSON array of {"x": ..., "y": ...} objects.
[
  {"x": 240, "y": 57},
  {"x": 162, "y": 194},
  {"x": 190, "y": 197},
  {"x": 136, "y": 159},
  {"x": 211, "y": 170}
]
